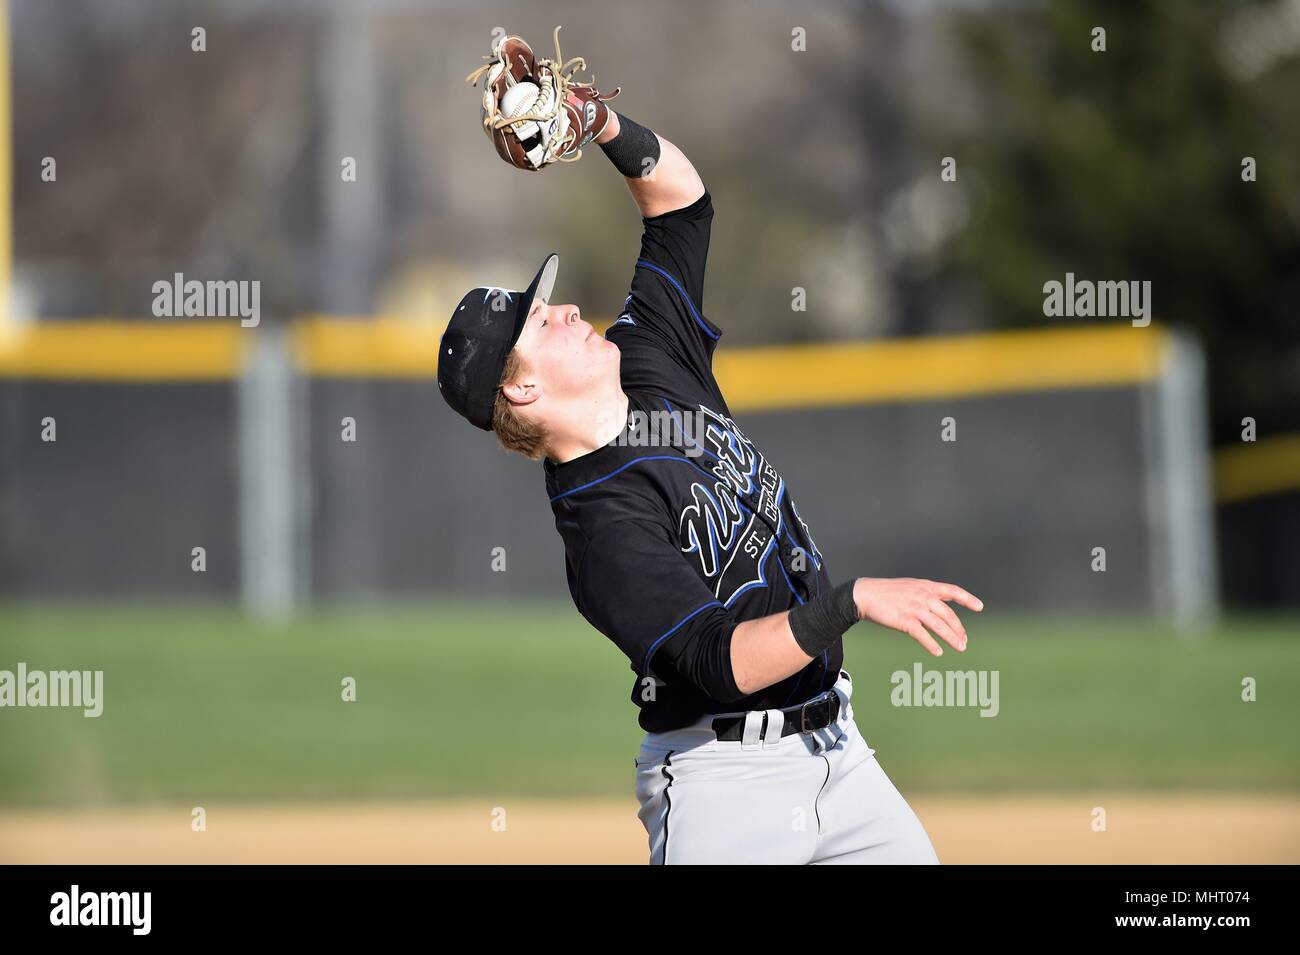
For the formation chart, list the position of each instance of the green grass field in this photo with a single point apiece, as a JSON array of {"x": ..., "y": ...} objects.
[{"x": 459, "y": 699}]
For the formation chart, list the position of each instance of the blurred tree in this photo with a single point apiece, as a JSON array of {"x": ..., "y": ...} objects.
[
  {"x": 168, "y": 159},
  {"x": 1127, "y": 164}
]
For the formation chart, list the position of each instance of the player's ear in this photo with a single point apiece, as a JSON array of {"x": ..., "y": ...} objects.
[
  {"x": 522, "y": 391},
  {"x": 520, "y": 386}
]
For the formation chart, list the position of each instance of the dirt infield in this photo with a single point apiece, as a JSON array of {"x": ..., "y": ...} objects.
[{"x": 965, "y": 829}]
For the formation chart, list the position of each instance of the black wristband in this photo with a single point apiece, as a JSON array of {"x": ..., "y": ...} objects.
[
  {"x": 631, "y": 148},
  {"x": 818, "y": 623}
]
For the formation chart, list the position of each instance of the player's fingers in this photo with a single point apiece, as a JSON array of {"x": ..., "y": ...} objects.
[
  {"x": 949, "y": 616},
  {"x": 959, "y": 595},
  {"x": 941, "y": 629},
  {"x": 917, "y": 633}
]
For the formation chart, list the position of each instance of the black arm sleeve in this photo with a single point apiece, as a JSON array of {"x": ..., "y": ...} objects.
[
  {"x": 636, "y": 587},
  {"x": 634, "y": 151},
  {"x": 666, "y": 298},
  {"x": 677, "y": 244}
]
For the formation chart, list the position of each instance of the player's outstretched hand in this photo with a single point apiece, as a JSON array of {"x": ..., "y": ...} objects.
[{"x": 917, "y": 608}]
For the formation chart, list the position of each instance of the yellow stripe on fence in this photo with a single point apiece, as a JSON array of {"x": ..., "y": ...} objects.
[
  {"x": 1267, "y": 466},
  {"x": 793, "y": 376},
  {"x": 367, "y": 348},
  {"x": 957, "y": 366},
  {"x": 123, "y": 351},
  {"x": 799, "y": 376}
]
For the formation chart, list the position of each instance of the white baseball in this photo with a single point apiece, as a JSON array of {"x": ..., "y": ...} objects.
[{"x": 519, "y": 99}]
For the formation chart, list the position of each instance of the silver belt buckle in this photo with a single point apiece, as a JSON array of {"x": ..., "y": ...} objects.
[{"x": 803, "y": 711}]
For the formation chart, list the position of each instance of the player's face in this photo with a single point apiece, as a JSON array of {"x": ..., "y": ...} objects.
[{"x": 566, "y": 355}]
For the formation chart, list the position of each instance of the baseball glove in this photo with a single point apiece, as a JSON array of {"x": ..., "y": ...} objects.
[{"x": 534, "y": 111}]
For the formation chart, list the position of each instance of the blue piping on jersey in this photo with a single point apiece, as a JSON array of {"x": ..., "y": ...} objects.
[
  {"x": 645, "y": 661},
  {"x": 647, "y": 264},
  {"x": 662, "y": 457},
  {"x": 646, "y": 457},
  {"x": 817, "y": 564},
  {"x": 793, "y": 592}
]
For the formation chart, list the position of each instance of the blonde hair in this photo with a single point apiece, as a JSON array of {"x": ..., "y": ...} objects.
[{"x": 514, "y": 431}]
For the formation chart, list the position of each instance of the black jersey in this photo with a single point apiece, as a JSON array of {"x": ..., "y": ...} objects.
[{"x": 671, "y": 543}]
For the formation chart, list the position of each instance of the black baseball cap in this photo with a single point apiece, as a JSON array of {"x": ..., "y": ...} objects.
[{"x": 482, "y": 330}]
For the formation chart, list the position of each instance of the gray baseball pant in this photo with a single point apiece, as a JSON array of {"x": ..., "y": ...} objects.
[{"x": 817, "y": 797}]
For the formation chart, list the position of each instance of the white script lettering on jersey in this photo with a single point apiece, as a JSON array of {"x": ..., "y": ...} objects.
[{"x": 735, "y": 521}]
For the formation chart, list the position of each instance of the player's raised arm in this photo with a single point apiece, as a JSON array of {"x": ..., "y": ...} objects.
[{"x": 658, "y": 174}]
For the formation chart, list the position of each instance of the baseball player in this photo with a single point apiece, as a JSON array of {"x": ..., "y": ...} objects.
[{"x": 683, "y": 544}]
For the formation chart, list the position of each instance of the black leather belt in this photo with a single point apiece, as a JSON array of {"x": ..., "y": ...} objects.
[{"x": 818, "y": 713}]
